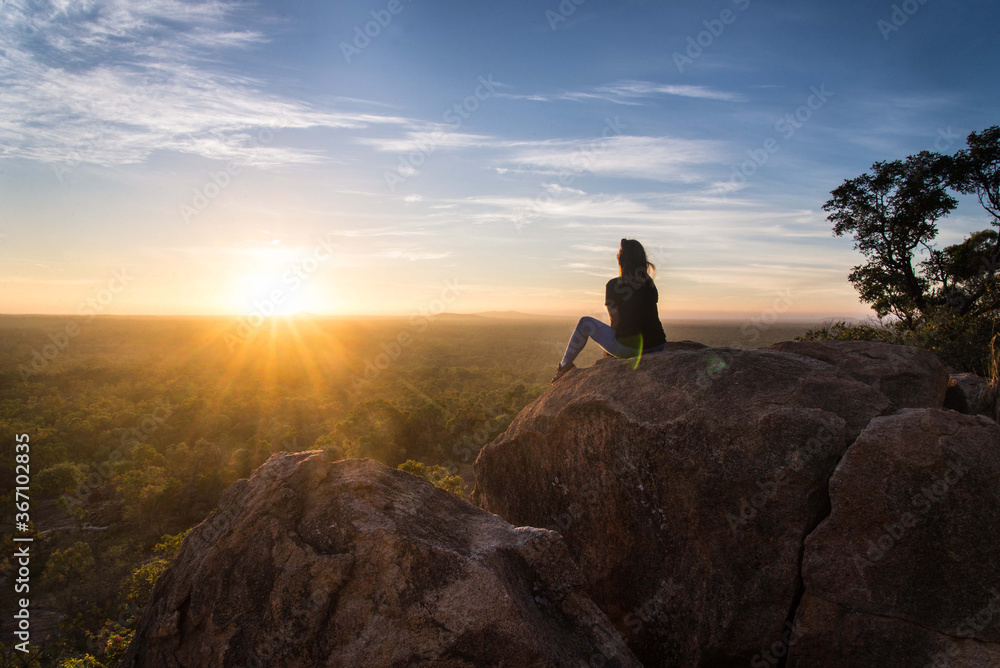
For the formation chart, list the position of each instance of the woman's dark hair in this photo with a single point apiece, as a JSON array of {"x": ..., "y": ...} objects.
[{"x": 633, "y": 265}]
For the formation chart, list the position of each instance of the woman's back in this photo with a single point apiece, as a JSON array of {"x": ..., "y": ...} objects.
[{"x": 637, "y": 312}]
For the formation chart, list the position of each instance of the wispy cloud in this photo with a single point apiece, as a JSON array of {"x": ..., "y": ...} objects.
[
  {"x": 383, "y": 232},
  {"x": 55, "y": 281},
  {"x": 602, "y": 206},
  {"x": 629, "y": 93},
  {"x": 591, "y": 248},
  {"x": 656, "y": 158},
  {"x": 412, "y": 255},
  {"x": 110, "y": 81},
  {"x": 427, "y": 141}
]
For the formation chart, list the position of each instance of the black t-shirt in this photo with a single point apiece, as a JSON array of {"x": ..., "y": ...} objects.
[{"x": 638, "y": 320}]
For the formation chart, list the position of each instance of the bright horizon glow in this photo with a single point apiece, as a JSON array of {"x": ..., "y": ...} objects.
[{"x": 194, "y": 157}]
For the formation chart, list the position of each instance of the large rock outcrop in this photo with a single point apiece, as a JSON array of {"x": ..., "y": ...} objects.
[
  {"x": 911, "y": 377},
  {"x": 804, "y": 506},
  {"x": 312, "y": 563},
  {"x": 906, "y": 569},
  {"x": 684, "y": 488}
]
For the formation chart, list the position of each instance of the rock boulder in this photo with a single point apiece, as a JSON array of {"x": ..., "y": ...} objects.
[
  {"x": 312, "y": 563},
  {"x": 906, "y": 570},
  {"x": 684, "y": 488},
  {"x": 969, "y": 394},
  {"x": 911, "y": 377}
]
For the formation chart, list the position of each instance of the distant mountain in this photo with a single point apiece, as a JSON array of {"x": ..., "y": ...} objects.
[
  {"x": 517, "y": 315},
  {"x": 457, "y": 316},
  {"x": 496, "y": 315}
]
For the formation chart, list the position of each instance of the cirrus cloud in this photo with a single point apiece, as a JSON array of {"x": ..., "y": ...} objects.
[
  {"x": 655, "y": 158},
  {"x": 109, "y": 82}
]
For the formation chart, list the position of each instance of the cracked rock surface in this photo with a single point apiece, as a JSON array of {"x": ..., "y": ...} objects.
[
  {"x": 317, "y": 563},
  {"x": 685, "y": 489},
  {"x": 906, "y": 570}
]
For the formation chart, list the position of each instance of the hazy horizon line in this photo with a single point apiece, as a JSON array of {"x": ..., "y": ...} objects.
[{"x": 717, "y": 317}]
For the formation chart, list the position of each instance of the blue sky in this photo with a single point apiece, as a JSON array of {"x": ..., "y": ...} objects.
[{"x": 403, "y": 157}]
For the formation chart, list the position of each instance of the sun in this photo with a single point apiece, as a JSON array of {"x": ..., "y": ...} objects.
[
  {"x": 276, "y": 280},
  {"x": 274, "y": 294}
]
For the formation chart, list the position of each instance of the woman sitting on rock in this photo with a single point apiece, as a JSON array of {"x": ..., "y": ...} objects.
[{"x": 631, "y": 300}]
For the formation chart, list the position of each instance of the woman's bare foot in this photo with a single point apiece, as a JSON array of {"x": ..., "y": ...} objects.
[{"x": 561, "y": 371}]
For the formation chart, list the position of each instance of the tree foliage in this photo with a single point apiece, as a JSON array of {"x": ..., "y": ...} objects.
[
  {"x": 945, "y": 299},
  {"x": 58, "y": 479},
  {"x": 439, "y": 476},
  {"x": 891, "y": 212}
]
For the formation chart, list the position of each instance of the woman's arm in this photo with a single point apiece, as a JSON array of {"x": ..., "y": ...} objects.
[
  {"x": 610, "y": 302},
  {"x": 613, "y": 313}
]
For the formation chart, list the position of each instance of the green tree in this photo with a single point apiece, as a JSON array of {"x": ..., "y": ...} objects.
[
  {"x": 891, "y": 212},
  {"x": 373, "y": 429},
  {"x": 68, "y": 572},
  {"x": 975, "y": 170},
  {"x": 439, "y": 476},
  {"x": 138, "y": 585},
  {"x": 421, "y": 435},
  {"x": 330, "y": 444},
  {"x": 59, "y": 479},
  {"x": 949, "y": 301},
  {"x": 965, "y": 275}
]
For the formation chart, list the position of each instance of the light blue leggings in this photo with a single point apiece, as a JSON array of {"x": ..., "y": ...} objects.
[{"x": 603, "y": 335}]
